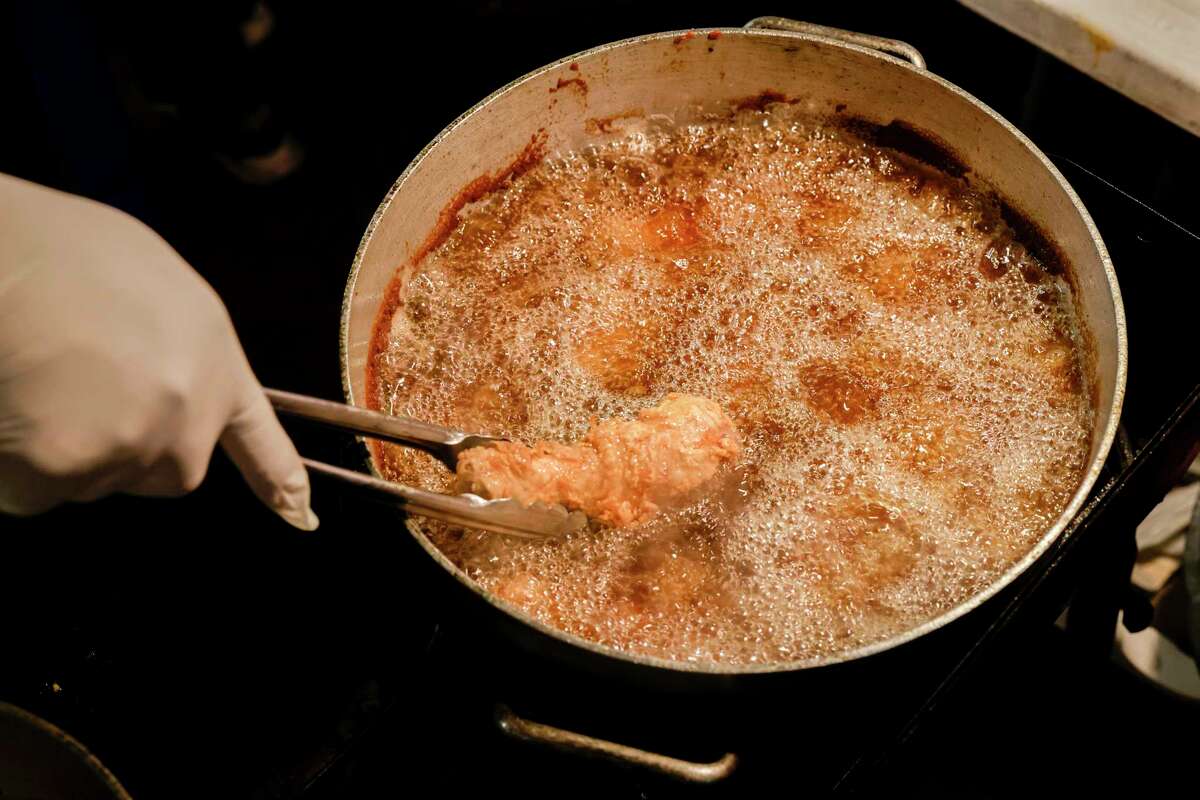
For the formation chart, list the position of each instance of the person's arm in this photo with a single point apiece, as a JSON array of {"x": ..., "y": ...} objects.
[{"x": 119, "y": 367}]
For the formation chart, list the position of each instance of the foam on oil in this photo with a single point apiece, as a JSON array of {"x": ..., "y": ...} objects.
[{"x": 906, "y": 378}]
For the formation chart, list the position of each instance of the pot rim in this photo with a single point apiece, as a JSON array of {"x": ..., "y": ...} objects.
[
  {"x": 71, "y": 743},
  {"x": 715, "y": 668}
]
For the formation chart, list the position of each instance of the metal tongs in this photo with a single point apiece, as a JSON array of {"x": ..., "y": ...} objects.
[{"x": 503, "y": 515}]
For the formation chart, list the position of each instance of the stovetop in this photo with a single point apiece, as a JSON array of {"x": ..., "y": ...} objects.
[{"x": 203, "y": 649}]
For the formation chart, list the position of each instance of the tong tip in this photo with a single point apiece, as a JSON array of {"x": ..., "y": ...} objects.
[{"x": 541, "y": 520}]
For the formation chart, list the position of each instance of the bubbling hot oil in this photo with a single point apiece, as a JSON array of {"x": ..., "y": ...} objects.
[{"x": 906, "y": 377}]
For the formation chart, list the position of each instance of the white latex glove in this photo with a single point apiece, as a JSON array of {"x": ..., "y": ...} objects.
[{"x": 119, "y": 367}]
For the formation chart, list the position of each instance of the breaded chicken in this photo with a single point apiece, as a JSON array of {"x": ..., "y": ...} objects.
[{"x": 623, "y": 471}]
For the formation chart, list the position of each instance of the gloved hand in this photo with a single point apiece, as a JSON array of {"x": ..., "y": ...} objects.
[{"x": 119, "y": 367}]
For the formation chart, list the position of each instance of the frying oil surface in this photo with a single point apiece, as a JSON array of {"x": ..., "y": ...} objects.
[{"x": 905, "y": 377}]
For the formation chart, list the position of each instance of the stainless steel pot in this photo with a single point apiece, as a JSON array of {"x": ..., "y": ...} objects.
[{"x": 879, "y": 81}]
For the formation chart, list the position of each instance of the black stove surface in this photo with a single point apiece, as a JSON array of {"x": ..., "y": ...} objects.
[{"x": 203, "y": 649}]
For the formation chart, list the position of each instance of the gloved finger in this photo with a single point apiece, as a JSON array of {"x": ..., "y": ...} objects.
[
  {"x": 116, "y": 478},
  {"x": 267, "y": 459},
  {"x": 24, "y": 491},
  {"x": 174, "y": 474},
  {"x": 161, "y": 480},
  {"x": 170, "y": 461}
]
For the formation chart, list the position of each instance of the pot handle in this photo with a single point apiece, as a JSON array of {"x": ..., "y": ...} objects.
[
  {"x": 893, "y": 46},
  {"x": 691, "y": 771}
]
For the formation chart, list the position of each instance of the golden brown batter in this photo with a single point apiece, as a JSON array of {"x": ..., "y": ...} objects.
[
  {"x": 623, "y": 471},
  {"x": 904, "y": 376}
]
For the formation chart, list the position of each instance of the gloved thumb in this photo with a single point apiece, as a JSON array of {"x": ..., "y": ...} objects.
[{"x": 267, "y": 459}]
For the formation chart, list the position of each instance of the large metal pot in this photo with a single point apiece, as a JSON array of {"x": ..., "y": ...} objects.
[
  {"x": 37, "y": 760},
  {"x": 878, "y": 81}
]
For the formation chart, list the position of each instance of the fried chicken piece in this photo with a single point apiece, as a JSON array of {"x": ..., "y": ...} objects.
[
  {"x": 623, "y": 471},
  {"x": 911, "y": 277},
  {"x": 623, "y": 359},
  {"x": 665, "y": 576},
  {"x": 866, "y": 546}
]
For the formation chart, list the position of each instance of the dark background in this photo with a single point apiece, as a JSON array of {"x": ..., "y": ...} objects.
[{"x": 199, "y": 645}]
